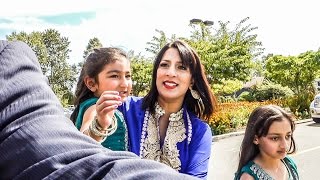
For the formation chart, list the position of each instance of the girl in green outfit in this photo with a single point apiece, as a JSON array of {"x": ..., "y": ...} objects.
[
  {"x": 267, "y": 141},
  {"x": 105, "y": 72}
]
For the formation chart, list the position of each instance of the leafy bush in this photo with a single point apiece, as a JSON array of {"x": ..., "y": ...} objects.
[
  {"x": 141, "y": 76},
  {"x": 266, "y": 91},
  {"x": 226, "y": 99},
  {"x": 246, "y": 96},
  {"x": 233, "y": 116},
  {"x": 270, "y": 91},
  {"x": 299, "y": 104},
  {"x": 227, "y": 87}
]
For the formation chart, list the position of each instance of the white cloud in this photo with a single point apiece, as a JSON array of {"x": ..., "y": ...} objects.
[{"x": 15, "y": 8}]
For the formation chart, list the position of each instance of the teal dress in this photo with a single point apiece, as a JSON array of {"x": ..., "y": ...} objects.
[
  {"x": 118, "y": 141},
  {"x": 259, "y": 174}
]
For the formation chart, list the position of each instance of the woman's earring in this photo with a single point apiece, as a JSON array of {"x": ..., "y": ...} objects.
[{"x": 195, "y": 94}]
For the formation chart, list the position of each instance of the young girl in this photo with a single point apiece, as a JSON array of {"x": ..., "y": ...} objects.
[
  {"x": 267, "y": 140},
  {"x": 105, "y": 72}
]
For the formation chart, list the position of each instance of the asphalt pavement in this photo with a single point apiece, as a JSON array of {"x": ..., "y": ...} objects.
[{"x": 225, "y": 152}]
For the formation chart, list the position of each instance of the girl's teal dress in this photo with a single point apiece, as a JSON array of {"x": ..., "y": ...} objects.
[
  {"x": 118, "y": 141},
  {"x": 259, "y": 174}
]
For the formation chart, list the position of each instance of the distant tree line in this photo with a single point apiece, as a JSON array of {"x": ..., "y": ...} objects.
[{"x": 231, "y": 57}]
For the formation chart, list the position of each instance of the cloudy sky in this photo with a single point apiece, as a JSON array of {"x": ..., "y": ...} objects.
[{"x": 287, "y": 27}]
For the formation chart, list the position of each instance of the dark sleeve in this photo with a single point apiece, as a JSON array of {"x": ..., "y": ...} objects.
[{"x": 36, "y": 139}]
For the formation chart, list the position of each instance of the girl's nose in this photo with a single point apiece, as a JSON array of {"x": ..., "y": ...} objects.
[
  {"x": 285, "y": 144},
  {"x": 124, "y": 82}
]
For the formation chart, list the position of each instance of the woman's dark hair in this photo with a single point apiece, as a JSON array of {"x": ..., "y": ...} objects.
[
  {"x": 259, "y": 123},
  {"x": 92, "y": 66},
  {"x": 191, "y": 60}
]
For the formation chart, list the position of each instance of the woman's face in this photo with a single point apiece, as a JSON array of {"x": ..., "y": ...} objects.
[
  {"x": 115, "y": 77},
  {"x": 173, "y": 79}
]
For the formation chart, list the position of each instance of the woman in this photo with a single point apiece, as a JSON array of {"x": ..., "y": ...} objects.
[{"x": 166, "y": 125}]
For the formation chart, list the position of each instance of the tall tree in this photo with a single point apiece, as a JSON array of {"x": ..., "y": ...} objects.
[
  {"x": 227, "y": 54},
  {"x": 296, "y": 72},
  {"x": 52, "y": 51},
  {"x": 158, "y": 42},
  {"x": 93, "y": 43},
  {"x": 141, "y": 74}
]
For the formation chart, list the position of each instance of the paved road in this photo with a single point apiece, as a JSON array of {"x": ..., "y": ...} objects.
[{"x": 225, "y": 153}]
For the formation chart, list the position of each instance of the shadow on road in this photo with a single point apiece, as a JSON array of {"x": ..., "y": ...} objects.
[{"x": 314, "y": 124}]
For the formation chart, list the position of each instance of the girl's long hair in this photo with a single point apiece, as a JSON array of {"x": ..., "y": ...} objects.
[
  {"x": 259, "y": 123},
  {"x": 92, "y": 66}
]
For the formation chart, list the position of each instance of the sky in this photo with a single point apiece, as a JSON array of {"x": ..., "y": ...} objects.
[{"x": 286, "y": 27}]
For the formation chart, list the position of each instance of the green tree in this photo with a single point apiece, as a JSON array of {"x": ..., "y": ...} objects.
[
  {"x": 141, "y": 74},
  {"x": 52, "y": 51},
  {"x": 93, "y": 43},
  {"x": 157, "y": 42},
  {"x": 227, "y": 87},
  {"x": 227, "y": 54},
  {"x": 296, "y": 72}
]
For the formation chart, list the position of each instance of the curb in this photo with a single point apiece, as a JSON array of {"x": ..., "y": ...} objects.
[{"x": 239, "y": 133}]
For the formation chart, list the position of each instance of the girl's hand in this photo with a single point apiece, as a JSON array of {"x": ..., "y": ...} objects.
[{"x": 105, "y": 107}]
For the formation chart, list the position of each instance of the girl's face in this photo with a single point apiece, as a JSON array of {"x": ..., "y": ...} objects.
[
  {"x": 173, "y": 79},
  {"x": 115, "y": 77},
  {"x": 277, "y": 142}
]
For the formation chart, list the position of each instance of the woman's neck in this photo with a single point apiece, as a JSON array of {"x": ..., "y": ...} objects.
[{"x": 170, "y": 107}]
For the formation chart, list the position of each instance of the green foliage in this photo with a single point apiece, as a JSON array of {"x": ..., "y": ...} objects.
[
  {"x": 93, "y": 43},
  {"x": 299, "y": 104},
  {"x": 155, "y": 45},
  {"x": 297, "y": 73},
  {"x": 233, "y": 116},
  {"x": 246, "y": 96},
  {"x": 227, "y": 54},
  {"x": 52, "y": 51},
  {"x": 226, "y": 99},
  {"x": 141, "y": 75},
  {"x": 227, "y": 87},
  {"x": 269, "y": 90}
]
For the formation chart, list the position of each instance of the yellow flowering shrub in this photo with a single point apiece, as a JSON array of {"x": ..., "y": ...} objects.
[{"x": 230, "y": 117}]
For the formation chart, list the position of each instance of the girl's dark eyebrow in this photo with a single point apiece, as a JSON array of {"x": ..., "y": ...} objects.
[{"x": 113, "y": 71}]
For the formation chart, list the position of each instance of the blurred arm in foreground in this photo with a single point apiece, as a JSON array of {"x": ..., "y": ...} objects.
[{"x": 38, "y": 141}]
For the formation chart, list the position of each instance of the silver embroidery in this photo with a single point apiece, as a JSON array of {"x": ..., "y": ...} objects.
[
  {"x": 150, "y": 138},
  {"x": 261, "y": 174},
  {"x": 189, "y": 129}
]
